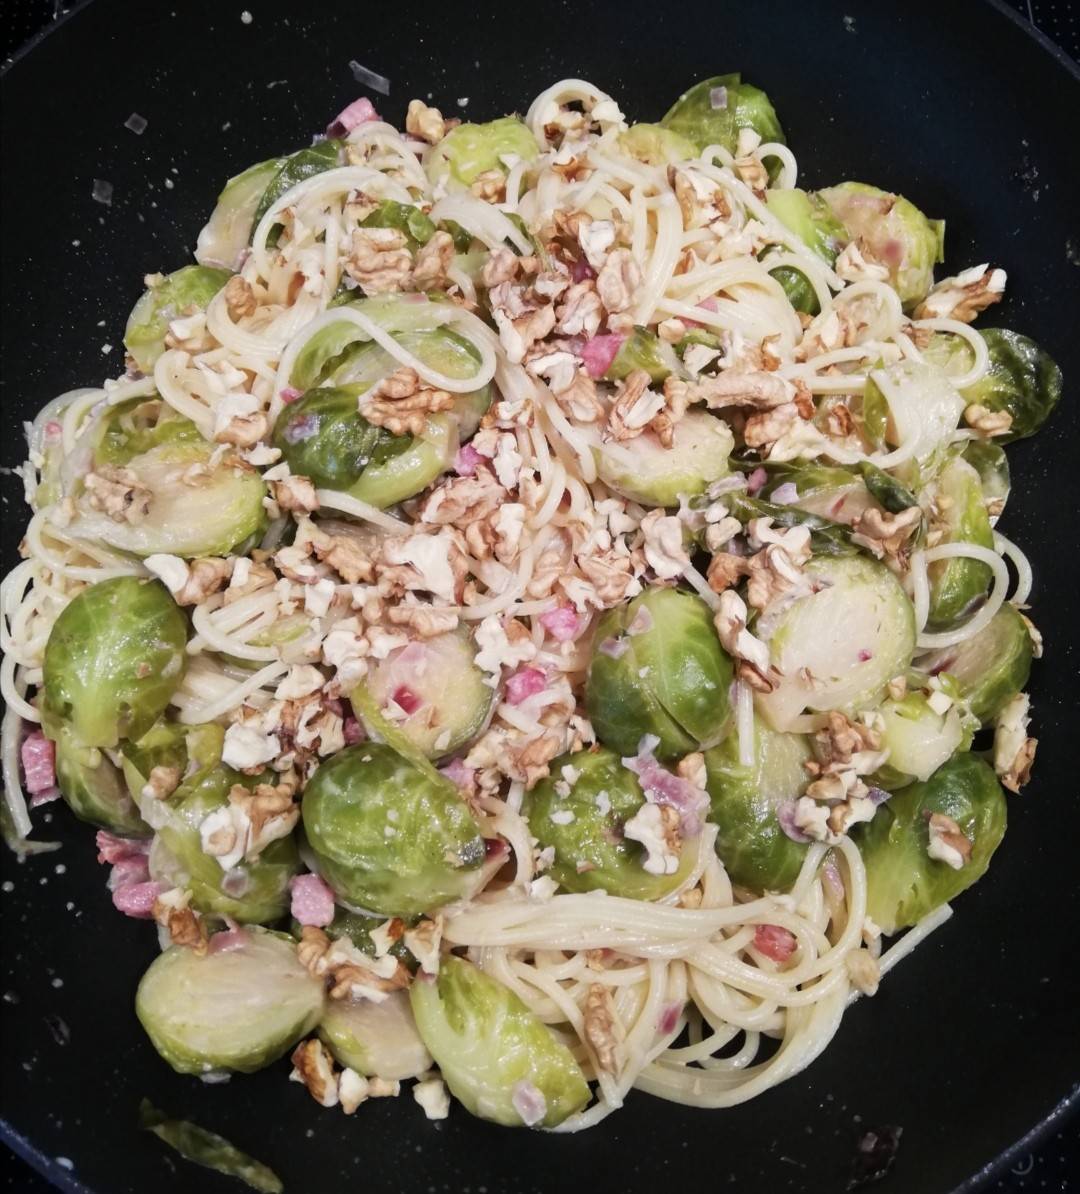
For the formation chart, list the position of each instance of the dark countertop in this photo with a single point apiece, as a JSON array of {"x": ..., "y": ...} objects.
[{"x": 1052, "y": 1169}]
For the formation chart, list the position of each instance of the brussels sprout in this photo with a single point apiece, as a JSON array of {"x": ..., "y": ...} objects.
[
  {"x": 294, "y": 169},
  {"x": 655, "y": 145},
  {"x": 433, "y": 692},
  {"x": 894, "y": 232},
  {"x": 644, "y": 471},
  {"x": 988, "y": 459},
  {"x": 91, "y": 784},
  {"x": 834, "y": 493},
  {"x": 809, "y": 217},
  {"x": 837, "y": 648},
  {"x": 1022, "y": 378},
  {"x": 751, "y": 842},
  {"x": 470, "y": 150},
  {"x": 495, "y": 1055},
  {"x": 190, "y": 749},
  {"x": 175, "y": 295},
  {"x": 236, "y": 1008},
  {"x": 405, "y": 217},
  {"x": 885, "y": 490},
  {"x": 255, "y": 892},
  {"x": 957, "y": 584},
  {"x": 375, "y": 1038},
  {"x": 114, "y": 658},
  {"x": 226, "y": 235},
  {"x": 658, "y": 668},
  {"x": 714, "y": 111},
  {"x": 918, "y": 740},
  {"x": 904, "y": 883},
  {"x": 131, "y": 428},
  {"x": 386, "y": 834},
  {"x": 601, "y": 800},
  {"x": 991, "y": 667},
  {"x": 211, "y": 518},
  {"x": 911, "y": 401},
  {"x": 642, "y": 349}
]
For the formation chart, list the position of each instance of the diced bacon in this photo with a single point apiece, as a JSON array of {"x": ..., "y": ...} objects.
[
  {"x": 562, "y": 624},
  {"x": 359, "y": 112},
  {"x": 230, "y": 941},
  {"x": 127, "y": 871},
  {"x": 458, "y": 773},
  {"x": 290, "y": 394},
  {"x": 524, "y": 683},
  {"x": 112, "y": 848},
  {"x": 466, "y": 460},
  {"x": 312, "y": 901},
  {"x": 528, "y": 1102},
  {"x": 598, "y": 353},
  {"x": 406, "y": 699},
  {"x": 46, "y": 797},
  {"x": 774, "y": 942},
  {"x": 137, "y": 899},
  {"x": 39, "y": 763}
]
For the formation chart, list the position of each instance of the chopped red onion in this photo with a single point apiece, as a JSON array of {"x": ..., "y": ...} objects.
[
  {"x": 614, "y": 648},
  {"x": 466, "y": 460},
  {"x": 582, "y": 271},
  {"x": 877, "y": 795},
  {"x": 524, "y": 683},
  {"x": 784, "y": 495},
  {"x": 775, "y": 942},
  {"x": 755, "y": 481},
  {"x": 718, "y": 98},
  {"x": 406, "y": 699},
  {"x": 598, "y": 353},
  {"x": 290, "y": 394},
  {"x": 528, "y": 1102},
  {"x": 669, "y": 1017},
  {"x": 642, "y": 623},
  {"x": 563, "y": 624},
  {"x": 495, "y": 847},
  {"x": 865, "y": 655},
  {"x": 352, "y": 731},
  {"x": 458, "y": 773},
  {"x": 236, "y": 883},
  {"x": 312, "y": 902},
  {"x": 369, "y": 78},
  {"x": 359, "y": 112},
  {"x": 38, "y": 756},
  {"x": 299, "y": 430},
  {"x": 785, "y": 814},
  {"x": 663, "y": 787}
]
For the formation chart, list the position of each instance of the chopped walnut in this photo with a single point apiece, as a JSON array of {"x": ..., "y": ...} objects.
[
  {"x": 345, "y": 555},
  {"x": 185, "y": 927},
  {"x": 579, "y": 399},
  {"x": 490, "y": 185},
  {"x": 863, "y": 971},
  {"x": 463, "y": 500},
  {"x": 726, "y": 570},
  {"x": 849, "y": 742},
  {"x": 424, "y": 620},
  {"x": 964, "y": 296},
  {"x": 886, "y": 534},
  {"x": 379, "y": 260},
  {"x": 401, "y": 403},
  {"x": 423, "y": 941},
  {"x": 751, "y": 169},
  {"x": 580, "y": 312},
  {"x": 947, "y": 842},
  {"x": 295, "y": 493},
  {"x": 425, "y": 122},
  {"x": 244, "y": 431},
  {"x": 239, "y": 298},
  {"x": 117, "y": 493},
  {"x": 897, "y": 688},
  {"x": 313, "y": 1065},
  {"x": 205, "y": 576},
  {"x": 617, "y": 283},
  {"x": 1014, "y": 751},
  {"x": 987, "y": 422},
  {"x": 162, "y": 781},
  {"x": 635, "y": 407},
  {"x": 502, "y": 266},
  {"x": 601, "y": 1027},
  {"x": 518, "y": 334},
  {"x": 856, "y": 264},
  {"x": 347, "y": 971},
  {"x": 664, "y": 550},
  {"x": 432, "y": 262},
  {"x": 761, "y": 389},
  {"x": 755, "y": 667}
]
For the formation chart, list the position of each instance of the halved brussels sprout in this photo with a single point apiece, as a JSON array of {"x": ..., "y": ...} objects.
[
  {"x": 894, "y": 232},
  {"x": 303, "y": 164},
  {"x": 958, "y": 584},
  {"x": 657, "y": 667},
  {"x": 713, "y": 111},
  {"x": 180, "y": 293},
  {"x": 216, "y": 510},
  {"x": 496, "y": 1057},
  {"x": 387, "y": 835},
  {"x": 236, "y": 1008},
  {"x": 226, "y": 234},
  {"x": 809, "y": 217},
  {"x": 751, "y": 842},
  {"x": 904, "y": 883},
  {"x": 470, "y": 150},
  {"x": 643, "y": 349},
  {"x": 114, "y": 658},
  {"x": 988, "y": 459},
  {"x": 918, "y": 740},
  {"x": 131, "y": 428},
  {"x": 991, "y": 667},
  {"x": 91, "y": 783},
  {"x": 375, "y": 1038},
  {"x": 839, "y": 647},
  {"x": 1022, "y": 378},
  {"x": 433, "y": 692},
  {"x": 591, "y": 853},
  {"x": 644, "y": 471},
  {"x": 655, "y": 145}
]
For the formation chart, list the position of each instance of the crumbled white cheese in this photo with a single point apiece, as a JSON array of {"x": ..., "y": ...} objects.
[
  {"x": 433, "y": 1096},
  {"x": 246, "y": 747},
  {"x": 171, "y": 569}
]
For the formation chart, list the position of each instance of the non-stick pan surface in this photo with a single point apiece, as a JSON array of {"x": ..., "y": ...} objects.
[{"x": 974, "y": 1040}]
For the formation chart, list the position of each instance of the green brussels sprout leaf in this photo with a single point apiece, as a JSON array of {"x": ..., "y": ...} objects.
[
  {"x": 375, "y": 1038},
  {"x": 1022, "y": 379},
  {"x": 190, "y": 288}
]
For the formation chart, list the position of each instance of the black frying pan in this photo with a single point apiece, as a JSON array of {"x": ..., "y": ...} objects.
[{"x": 973, "y": 1042}]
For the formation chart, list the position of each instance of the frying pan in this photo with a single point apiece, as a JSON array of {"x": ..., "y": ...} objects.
[{"x": 972, "y": 1042}]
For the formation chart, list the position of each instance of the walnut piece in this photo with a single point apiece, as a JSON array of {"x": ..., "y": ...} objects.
[
  {"x": 987, "y": 422},
  {"x": 205, "y": 577},
  {"x": 425, "y": 122},
  {"x": 117, "y": 493},
  {"x": 379, "y": 260},
  {"x": 601, "y": 1027},
  {"x": 239, "y": 298},
  {"x": 401, "y": 403},
  {"x": 886, "y": 534},
  {"x": 432, "y": 262},
  {"x": 618, "y": 282},
  {"x": 635, "y": 407},
  {"x": 295, "y": 493},
  {"x": 965, "y": 295}
]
